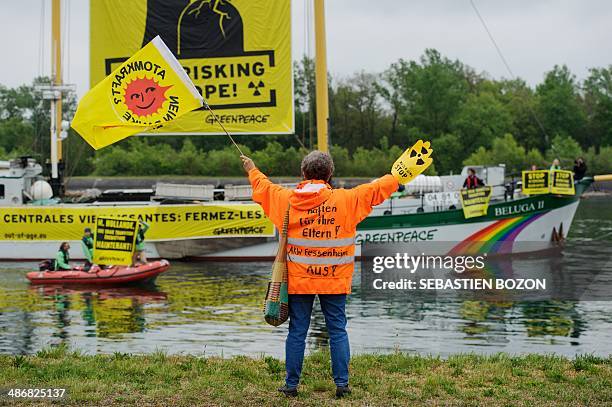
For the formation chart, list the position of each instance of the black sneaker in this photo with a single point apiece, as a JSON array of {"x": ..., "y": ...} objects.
[
  {"x": 342, "y": 391},
  {"x": 288, "y": 391}
]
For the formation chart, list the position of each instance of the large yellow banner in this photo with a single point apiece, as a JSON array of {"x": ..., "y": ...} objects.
[
  {"x": 167, "y": 222},
  {"x": 237, "y": 53}
]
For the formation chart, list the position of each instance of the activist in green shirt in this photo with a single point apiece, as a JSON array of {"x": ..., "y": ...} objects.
[
  {"x": 139, "y": 253},
  {"x": 87, "y": 244},
  {"x": 556, "y": 165},
  {"x": 62, "y": 258}
]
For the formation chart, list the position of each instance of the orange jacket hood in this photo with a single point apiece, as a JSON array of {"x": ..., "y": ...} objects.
[{"x": 310, "y": 194}]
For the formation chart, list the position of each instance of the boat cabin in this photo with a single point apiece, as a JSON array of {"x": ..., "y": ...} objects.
[{"x": 16, "y": 179}]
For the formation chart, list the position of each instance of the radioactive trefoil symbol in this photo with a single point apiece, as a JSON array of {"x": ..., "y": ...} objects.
[
  {"x": 255, "y": 87},
  {"x": 414, "y": 153}
]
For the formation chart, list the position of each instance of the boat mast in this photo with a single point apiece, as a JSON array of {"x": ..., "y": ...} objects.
[
  {"x": 56, "y": 101},
  {"x": 321, "y": 76}
]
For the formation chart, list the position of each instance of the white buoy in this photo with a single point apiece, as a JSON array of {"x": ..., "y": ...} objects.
[{"x": 41, "y": 190}]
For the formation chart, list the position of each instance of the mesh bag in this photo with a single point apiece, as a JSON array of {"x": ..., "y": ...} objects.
[{"x": 276, "y": 306}]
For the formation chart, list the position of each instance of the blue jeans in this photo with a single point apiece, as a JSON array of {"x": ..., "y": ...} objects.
[{"x": 300, "y": 309}]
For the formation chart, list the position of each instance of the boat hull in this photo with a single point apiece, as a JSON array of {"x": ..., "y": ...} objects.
[
  {"x": 116, "y": 275},
  {"x": 526, "y": 225}
]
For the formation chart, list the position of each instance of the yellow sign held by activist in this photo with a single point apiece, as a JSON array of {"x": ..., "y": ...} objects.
[
  {"x": 114, "y": 241},
  {"x": 412, "y": 162},
  {"x": 562, "y": 182},
  {"x": 475, "y": 201},
  {"x": 548, "y": 181},
  {"x": 146, "y": 92},
  {"x": 536, "y": 182}
]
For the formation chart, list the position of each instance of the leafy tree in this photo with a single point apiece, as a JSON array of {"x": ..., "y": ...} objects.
[
  {"x": 227, "y": 159},
  {"x": 342, "y": 161},
  {"x": 373, "y": 117},
  {"x": 113, "y": 160},
  {"x": 357, "y": 117},
  {"x": 276, "y": 160},
  {"x": 304, "y": 100},
  {"x": 566, "y": 149},
  {"x": 599, "y": 163},
  {"x": 431, "y": 91},
  {"x": 190, "y": 161},
  {"x": 480, "y": 120},
  {"x": 521, "y": 103},
  {"x": 504, "y": 150},
  {"x": 598, "y": 104},
  {"x": 534, "y": 157},
  {"x": 449, "y": 152},
  {"x": 560, "y": 105}
]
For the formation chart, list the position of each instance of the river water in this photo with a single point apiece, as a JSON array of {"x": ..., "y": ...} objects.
[{"x": 216, "y": 309}]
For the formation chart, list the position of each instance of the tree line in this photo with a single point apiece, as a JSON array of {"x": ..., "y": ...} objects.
[{"x": 470, "y": 118}]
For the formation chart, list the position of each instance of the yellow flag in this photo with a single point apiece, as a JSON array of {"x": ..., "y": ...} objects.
[{"x": 147, "y": 91}]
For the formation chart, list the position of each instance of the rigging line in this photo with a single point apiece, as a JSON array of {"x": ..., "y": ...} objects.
[
  {"x": 505, "y": 62},
  {"x": 74, "y": 163},
  {"x": 300, "y": 142},
  {"x": 222, "y": 126}
]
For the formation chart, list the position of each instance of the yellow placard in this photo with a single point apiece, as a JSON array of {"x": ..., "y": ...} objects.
[
  {"x": 562, "y": 182},
  {"x": 548, "y": 181},
  {"x": 114, "y": 240},
  {"x": 475, "y": 201},
  {"x": 237, "y": 53},
  {"x": 167, "y": 222},
  {"x": 536, "y": 182}
]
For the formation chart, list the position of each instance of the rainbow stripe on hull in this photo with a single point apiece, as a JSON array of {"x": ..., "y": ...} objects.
[{"x": 498, "y": 237}]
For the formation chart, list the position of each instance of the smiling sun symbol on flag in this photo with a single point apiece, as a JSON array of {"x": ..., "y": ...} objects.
[{"x": 144, "y": 96}]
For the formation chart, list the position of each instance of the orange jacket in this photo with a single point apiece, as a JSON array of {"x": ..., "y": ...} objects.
[{"x": 322, "y": 226}]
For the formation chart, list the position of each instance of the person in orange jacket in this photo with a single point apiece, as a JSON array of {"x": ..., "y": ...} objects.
[{"x": 320, "y": 252}]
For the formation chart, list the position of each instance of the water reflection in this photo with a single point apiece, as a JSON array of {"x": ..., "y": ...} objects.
[
  {"x": 216, "y": 308},
  {"x": 108, "y": 312}
]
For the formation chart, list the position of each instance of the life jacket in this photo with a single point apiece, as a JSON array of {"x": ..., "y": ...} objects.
[
  {"x": 322, "y": 226},
  {"x": 140, "y": 235},
  {"x": 88, "y": 242},
  {"x": 472, "y": 181},
  {"x": 66, "y": 260}
]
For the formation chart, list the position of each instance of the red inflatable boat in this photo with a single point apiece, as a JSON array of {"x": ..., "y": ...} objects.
[{"x": 114, "y": 275}]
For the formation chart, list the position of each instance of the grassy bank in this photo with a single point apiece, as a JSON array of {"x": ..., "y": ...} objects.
[{"x": 380, "y": 380}]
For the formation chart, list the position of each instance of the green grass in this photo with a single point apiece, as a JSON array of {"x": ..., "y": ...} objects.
[{"x": 377, "y": 380}]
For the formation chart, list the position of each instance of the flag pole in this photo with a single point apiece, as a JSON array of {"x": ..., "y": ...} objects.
[{"x": 222, "y": 126}]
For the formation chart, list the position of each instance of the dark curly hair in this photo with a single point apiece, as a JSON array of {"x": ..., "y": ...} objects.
[{"x": 318, "y": 165}]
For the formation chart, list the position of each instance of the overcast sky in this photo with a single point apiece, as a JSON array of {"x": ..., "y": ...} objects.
[{"x": 369, "y": 35}]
